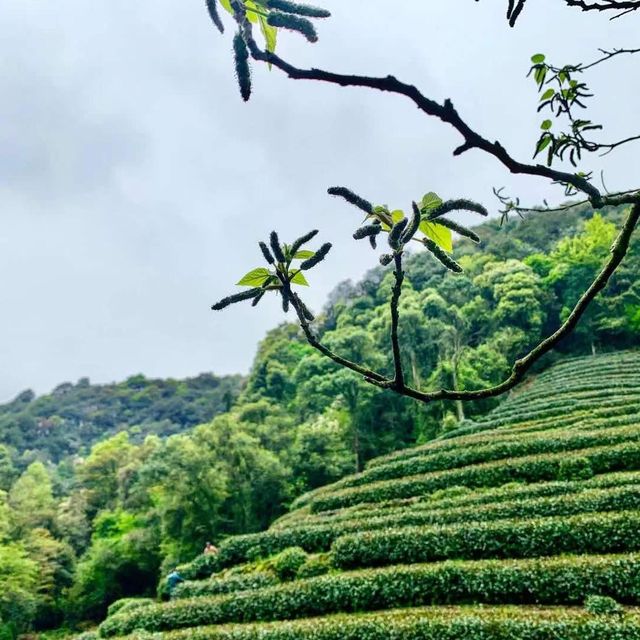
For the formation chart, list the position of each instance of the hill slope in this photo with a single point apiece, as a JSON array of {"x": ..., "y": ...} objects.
[
  {"x": 503, "y": 533},
  {"x": 73, "y": 417}
]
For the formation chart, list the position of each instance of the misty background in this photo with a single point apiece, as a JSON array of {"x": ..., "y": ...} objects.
[{"x": 135, "y": 183}]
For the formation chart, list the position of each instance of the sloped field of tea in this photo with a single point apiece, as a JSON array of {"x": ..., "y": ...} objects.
[{"x": 501, "y": 531}]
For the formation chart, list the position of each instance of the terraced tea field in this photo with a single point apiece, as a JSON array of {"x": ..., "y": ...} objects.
[{"x": 499, "y": 531}]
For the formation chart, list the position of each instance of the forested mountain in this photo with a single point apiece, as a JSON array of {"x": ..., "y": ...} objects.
[
  {"x": 96, "y": 527},
  {"x": 73, "y": 417}
]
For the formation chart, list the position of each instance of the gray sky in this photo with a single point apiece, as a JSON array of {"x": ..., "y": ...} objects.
[{"x": 134, "y": 183}]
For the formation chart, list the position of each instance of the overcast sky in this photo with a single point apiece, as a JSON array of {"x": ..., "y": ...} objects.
[{"x": 135, "y": 183}]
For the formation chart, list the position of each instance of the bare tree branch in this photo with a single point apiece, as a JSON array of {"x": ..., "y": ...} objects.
[
  {"x": 398, "y": 379},
  {"x": 607, "y": 55},
  {"x": 446, "y": 112},
  {"x": 622, "y": 7},
  {"x": 521, "y": 366},
  {"x": 625, "y": 6},
  {"x": 368, "y": 374}
]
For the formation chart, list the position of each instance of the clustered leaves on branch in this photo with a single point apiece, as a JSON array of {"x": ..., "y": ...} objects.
[
  {"x": 561, "y": 93},
  {"x": 282, "y": 274}
]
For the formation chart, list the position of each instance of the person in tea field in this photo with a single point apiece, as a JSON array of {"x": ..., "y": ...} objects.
[
  {"x": 173, "y": 580},
  {"x": 210, "y": 549}
]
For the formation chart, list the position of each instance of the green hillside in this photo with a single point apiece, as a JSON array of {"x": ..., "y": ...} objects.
[
  {"x": 73, "y": 417},
  {"x": 503, "y": 530}
]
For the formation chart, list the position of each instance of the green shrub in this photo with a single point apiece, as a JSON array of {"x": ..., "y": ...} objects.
[
  {"x": 506, "y": 623},
  {"x": 529, "y": 445},
  {"x": 215, "y": 586},
  {"x": 128, "y": 604},
  {"x": 531, "y": 469},
  {"x": 608, "y": 413},
  {"x": 439, "y": 500},
  {"x": 596, "y": 500},
  {"x": 539, "y": 581},
  {"x": 603, "y": 605},
  {"x": 593, "y": 533},
  {"x": 575, "y": 469},
  {"x": 317, "y": 537},
  {"x": 201, "y": 566},
  {"x": 315, "y": 565},
  {"x": 287, "y": 562}
]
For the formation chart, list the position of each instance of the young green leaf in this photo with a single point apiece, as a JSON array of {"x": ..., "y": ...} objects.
[
  {"x": 299, "y": 278},
  {"x": 538, "y": 58},
  {"x": 549, "y": 93},
  {"x": 540, "y": 75},
  {"x": 439, "y": 234},
  {"x": 270, "y": 35},
  {"x": 543, "y": 143},
  {"x": 253, "y": 11},
  {"x": 430, "y": 201},
  {"x": 546, "y": 125},
  {"x": 305, "y": 254},
  {"x": 255, "y": 278}
]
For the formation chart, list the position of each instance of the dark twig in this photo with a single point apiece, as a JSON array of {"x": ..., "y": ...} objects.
[
  {"x": 398, "y": 378},
  {"x": 625, "y": 6},
  {"x": 610, "y": 200},
  {"x": 607, "y": 55},
  {"x": 610, "y": 147},
  {"x": 521, "y": 366},
  {"x": 374, "y": 377}
]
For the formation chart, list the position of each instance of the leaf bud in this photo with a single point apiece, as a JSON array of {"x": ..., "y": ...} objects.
[
  {"x": 293, "y": 23},
  {"x": 299, "y": 9},
  {"x": 236, "y": 297},
  {"x": 276, "y": 248},
  {"x": 351, "y": 198},
  {"x": 266, "y": 253},
  {"x": 319, "y": 256},
  {"x": 367, "y": 231},
  {"x": 442, "y": 256},
  {"x": 243, "y": 71},
  {"x": 300, "y": 242},
  {"x": 396, "y": 233},
  {"x": 212, "y": 7}
]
